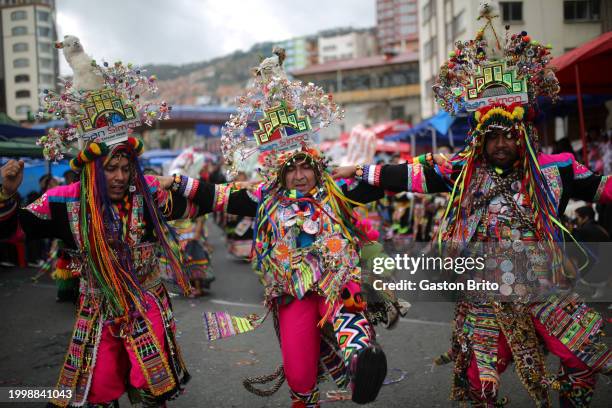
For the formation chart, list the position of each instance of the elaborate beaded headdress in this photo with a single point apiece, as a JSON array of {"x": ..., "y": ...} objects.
[
  {"x": 277, "y": 118},
  {"x": 101, "y": 105},
  {"x": 489, "y": 70}
]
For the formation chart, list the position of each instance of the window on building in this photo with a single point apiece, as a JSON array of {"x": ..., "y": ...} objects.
[
  {"x": 46, "y": 62},
  {"x": 44, "y": 47},
  {"x": 42, "y": 15},
  {"x": 458, "y": 25},
  {"x": 412, "y": 74},
  {"x": 398, "y": 79},
  {"x": 430, "y": 48},
  {"x": 355, "y": 82},
  {"x": 428, "y": 91},
  {"x": 408, "y": 29},
  {"x": 44, "y": 31},
  {"x": 581, "y": 10},
  {"x": 408, "y": 7},
  {"x": 426, "y": 13},
  {"x": 19, "y": 30},
  {"x": 408, "y": 18},
  {"x": 21, "y": 63},
  {"x": 46, "y": 78},
  {"x": 18, "y": 15},
  {"x": 23, "y": 109},
  {"x": 20, "y": 47},
  {"x": 22, "y": 78},
  {"x": 22, "y": 94},
  {"x": 397, "y": 112},
  {"x": 386, "y": 14},
  {"x": 512, "y": 11},
  {"x": 329, "y": 48}
]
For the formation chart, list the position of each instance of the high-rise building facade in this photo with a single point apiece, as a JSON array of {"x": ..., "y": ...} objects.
[
  {"x": 29, "y": 59},
  {"x": 397, "y": 25},
  {"x": 346, "y": 45}
]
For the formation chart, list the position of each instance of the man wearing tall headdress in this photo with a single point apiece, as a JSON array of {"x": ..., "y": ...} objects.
[
  {"x": 306, "y": 245},
  {"x": 113, "y": 225},
  {"x": 506, "y": 196}
]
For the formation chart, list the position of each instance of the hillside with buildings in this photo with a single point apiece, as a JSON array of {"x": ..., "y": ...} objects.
[
  {"x": 214, "y": 82},
  {"x": 220, "y": 80}
]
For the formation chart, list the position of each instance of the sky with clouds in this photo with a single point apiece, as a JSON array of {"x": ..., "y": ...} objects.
[{"x": 183, "y": 31}]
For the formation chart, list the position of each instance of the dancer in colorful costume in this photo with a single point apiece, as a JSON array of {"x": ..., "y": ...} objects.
[
  {"x": 238, "y": 230},
  {"x": 193, "y": 232},
  {"x": 196, "y": 254},
  {"x": 306, "y": 244},
  {"x": 113, "y": 224},
  {"x": 506, "y": 197}
]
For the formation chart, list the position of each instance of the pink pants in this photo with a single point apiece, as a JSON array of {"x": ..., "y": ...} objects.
[
  {"x": 300, "y": 340},
  {"x": 116, "y": 362},
  {"x": 504, "y": 355}
]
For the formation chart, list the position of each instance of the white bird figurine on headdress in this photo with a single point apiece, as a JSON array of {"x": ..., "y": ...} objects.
[
  {"x": 492, "y": 30},
  {"x": 85, "y": 74},
  {"x": 272, "y": 66}
]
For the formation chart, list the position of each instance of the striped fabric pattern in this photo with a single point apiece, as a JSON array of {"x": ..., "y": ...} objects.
[
  {"x": 577, "y": 326},
  {"x": 220, "y": 325}
]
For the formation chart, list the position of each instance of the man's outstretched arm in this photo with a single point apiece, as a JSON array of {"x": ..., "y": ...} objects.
[
  {"x": 190, "y": 198},
  {"x": 420, "y": 176}
]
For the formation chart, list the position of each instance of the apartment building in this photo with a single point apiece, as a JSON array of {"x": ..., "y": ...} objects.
[{"x": 29, "y": 61}]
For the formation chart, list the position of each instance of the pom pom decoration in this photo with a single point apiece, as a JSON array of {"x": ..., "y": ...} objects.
[
  {"x": 518, "y": 112},
  {"x": 373, "y": 235},
  {"x": 136, "y": 144},
  {"x": 90, "y": 153}
]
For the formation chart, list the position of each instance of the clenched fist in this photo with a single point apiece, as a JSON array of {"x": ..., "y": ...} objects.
[
  {"x": 165, "y": 182},
  {"x": 344, "y": 172},
  {"x": 12, "y": 176}
]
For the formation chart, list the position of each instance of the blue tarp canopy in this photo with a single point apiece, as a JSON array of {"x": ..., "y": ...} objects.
[
  {"x": 568, "y": 104},
  {"x": 448, "y": 130},
  {"x": 157, "y": 157},
  {"x": 10, "y": 131},
  {"x": 34, "y": 170},
  {"x": 160, "y": 153},
  {"x": 59, "y": 123}
]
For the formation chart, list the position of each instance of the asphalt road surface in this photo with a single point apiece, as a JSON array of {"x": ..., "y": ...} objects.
[{"x": 35, "y": 331}]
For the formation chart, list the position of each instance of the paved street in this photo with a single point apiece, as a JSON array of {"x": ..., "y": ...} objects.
[{"x": 35, "y": 331}]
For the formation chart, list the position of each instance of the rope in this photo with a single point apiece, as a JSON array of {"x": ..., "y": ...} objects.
[{"x": 278, "y": 375}]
